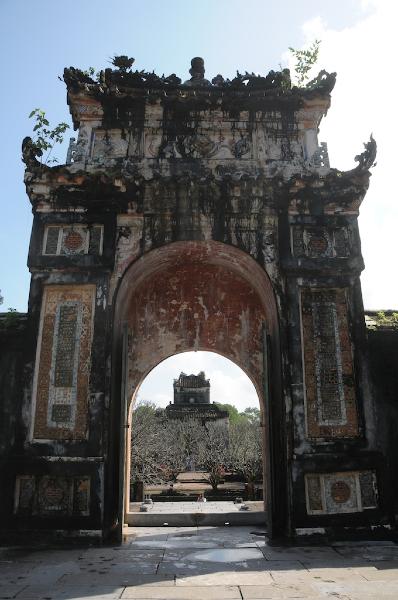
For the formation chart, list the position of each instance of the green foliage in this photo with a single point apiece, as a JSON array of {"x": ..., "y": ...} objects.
[
  {"x": 1, "y": 298},
  {"x": 390, "y": 320},
  {"x": 90, "y": 71},
  {"x": 11, "y": 318},
  {"x": 305, "y": 60},
  {"x": 231, "y": 410},
  {"x": 44, "y": 137},
  {"x": 252, "y": 414}
]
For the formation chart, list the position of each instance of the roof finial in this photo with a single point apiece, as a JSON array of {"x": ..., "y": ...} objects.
[
  {"x": 197, "y": 72},
  {"x": 197, "y": 69}
]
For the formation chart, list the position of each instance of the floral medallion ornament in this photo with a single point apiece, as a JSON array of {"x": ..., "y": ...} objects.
[
  {"x": 340, "y": 492},
  {"x": 54, "y": 495},
  {"x": 73, "y": 241},
  {"x": 318, "y": 245}
]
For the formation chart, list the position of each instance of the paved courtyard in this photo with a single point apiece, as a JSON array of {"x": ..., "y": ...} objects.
[
  {"x": 201, "y": 564},
  {"x": 195, "y": 507}
]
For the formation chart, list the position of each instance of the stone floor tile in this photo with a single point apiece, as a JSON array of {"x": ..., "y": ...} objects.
[
  {"x": 216, "y": 555},
  {"x": 381, "y": 553},
  {"x": 10, "y": 591},
  {"x": 371, "y": 553},
  {"x": 381, "y": 571},
  {"x": 291, "y": 577},
  {"x": 181, "y": 568},
  {"x": 304, "y": 553},
  {"x": 219, "y": 592},
  {"x": 226, "y": 578},
  {"x": 111, "y": 592},
  {"x": 365, "y": 590},
  {"x": 352, "y": 552},
  {"x": 146, "y": 542},
  {"x": 111, "y": 576},
  {"x": 47, "y": 556},
  {"x": 335, "y": 576},
  {"x": 299, "y": 590},
  {"x": 126, "y": 555},
  {"x": 345, "y": 563},
  {"x": 192, "y": 542},
  {"x": 362, "y": 543},
  {"x": 292, "y": 565},
  {"x": 157, "y": 580}
]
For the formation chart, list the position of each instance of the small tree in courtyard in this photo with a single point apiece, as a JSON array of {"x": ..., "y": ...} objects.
[
  {"x": 213, "y": 452},
  {"x": 245, "y": 450}
]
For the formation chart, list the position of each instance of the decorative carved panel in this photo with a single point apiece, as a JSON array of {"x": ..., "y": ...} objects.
[
  {"x": 320, "y": 242},
  {"x": 328, "y": 365},
  {"x": 49, "y": 496},
  {"x": 335, "y": 493},
  {"x": 70, "y": 240},
  {"x": 63, "y": 361}
]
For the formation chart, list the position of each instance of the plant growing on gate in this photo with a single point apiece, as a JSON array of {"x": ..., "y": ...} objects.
[
  {"x": 305, "y": 60},
  {"x": 45, "y": 138}
]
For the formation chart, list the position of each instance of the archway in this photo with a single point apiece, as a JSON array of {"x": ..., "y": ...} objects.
[
  {"x": 196, "y": 435},
  {"x": 198, "y": 296}
]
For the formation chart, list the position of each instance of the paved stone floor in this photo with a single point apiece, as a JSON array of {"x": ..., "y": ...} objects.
[
  {"x": 213, "y": 563},
  {"x": 195, "y": 507}
]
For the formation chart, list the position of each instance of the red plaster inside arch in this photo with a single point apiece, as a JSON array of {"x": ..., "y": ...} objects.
[{"x": 195, "y": 296}]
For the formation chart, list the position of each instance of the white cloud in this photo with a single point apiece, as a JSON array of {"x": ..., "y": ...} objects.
[{"x": 363, "y": 101}]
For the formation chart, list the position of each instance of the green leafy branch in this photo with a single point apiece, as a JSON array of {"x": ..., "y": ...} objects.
[
  {"x": 45, "y": 138},
  {"x": 390, "y": 320},
  {"x": 305, "y": 60}
]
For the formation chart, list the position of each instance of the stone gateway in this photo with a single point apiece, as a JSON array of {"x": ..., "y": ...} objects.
[{"x": 191, "y": 216}]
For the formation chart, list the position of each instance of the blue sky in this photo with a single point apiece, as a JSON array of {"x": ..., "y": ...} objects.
[{"x": 39, "y": 38}]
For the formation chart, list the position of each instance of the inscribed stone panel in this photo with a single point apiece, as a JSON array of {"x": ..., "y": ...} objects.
[
  {"x": 328, "y": 366},
  {"x": 314, "y": 493},
  {"x": 51, "y": 243},
  {"x": 367, "y": 482},
  {"x": 341, "y": 493},
  {"x": 81, "y": 496},
  {"x": 53, "y": 496},
  {"x": 62, "y": 363},
  {"x": 49, "y": 496},
  {"x": 24, "y": 494},
  {"x": 95, "y": 240},
  {"x": 337, "y": 493}
]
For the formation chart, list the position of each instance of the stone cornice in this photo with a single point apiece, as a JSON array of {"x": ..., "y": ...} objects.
[
  {"x": 333, "y": 192},
  {"x": 90, "y": 100}
]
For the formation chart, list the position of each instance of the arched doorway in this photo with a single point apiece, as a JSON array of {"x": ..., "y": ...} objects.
[
  {"x": 197, "y": 445},
  {"x": 197, "y": 296}
]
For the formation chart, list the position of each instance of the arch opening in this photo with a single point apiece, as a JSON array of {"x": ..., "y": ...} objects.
[
  {"x": 195, "y": 443},
  {"x": 191, "y": 296}
]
